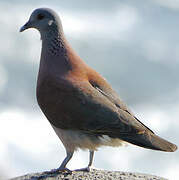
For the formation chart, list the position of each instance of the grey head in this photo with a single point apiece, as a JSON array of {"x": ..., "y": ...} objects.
[{"x": 44, "y": 20}]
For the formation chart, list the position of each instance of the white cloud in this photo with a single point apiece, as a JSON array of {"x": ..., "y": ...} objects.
[
  {"x": 115, "y": 25},
  {"x": 126, "y": 18},
  {"x": 30, "y": 133},
  {"x": 172, "y": 172},
  {"x": 3, "y": 78},
  {"x": 155, "y": 50},
  {"x": 22, "y": 129},
  {"x": 173, "y": 4},
  {"x": 10, "y": 36}
]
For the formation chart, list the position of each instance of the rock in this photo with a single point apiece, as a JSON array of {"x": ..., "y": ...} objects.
[{"x": 94, "y": 174}]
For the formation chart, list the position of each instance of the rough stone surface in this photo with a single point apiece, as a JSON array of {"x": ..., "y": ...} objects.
[{"x": 93, "y": 175}]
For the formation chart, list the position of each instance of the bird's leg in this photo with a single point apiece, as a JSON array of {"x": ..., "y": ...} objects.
[
  {"x": 88, "y": 168},
  {"x": 65, "y": 161},
  {"x": 62, "y": 167},
  {"x": 91, "y": 158}
]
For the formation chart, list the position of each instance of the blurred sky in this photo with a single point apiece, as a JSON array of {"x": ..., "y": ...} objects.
[{"x": 133, "y": 44}]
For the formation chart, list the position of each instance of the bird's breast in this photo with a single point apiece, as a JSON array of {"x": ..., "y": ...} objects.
[{"x": 52, "y": 97}]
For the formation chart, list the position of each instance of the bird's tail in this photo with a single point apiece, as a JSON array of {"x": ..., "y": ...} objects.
[{"x": 150, "y": 141}]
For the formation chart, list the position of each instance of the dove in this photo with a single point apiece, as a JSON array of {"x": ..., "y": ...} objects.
[{"x": 81, "y": 106}]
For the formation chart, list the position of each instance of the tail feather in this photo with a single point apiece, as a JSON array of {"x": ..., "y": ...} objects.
[{"x": 150, "y": 141}]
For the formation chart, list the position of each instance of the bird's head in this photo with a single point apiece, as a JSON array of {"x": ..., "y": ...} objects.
[{"x": 42, "y": 19}]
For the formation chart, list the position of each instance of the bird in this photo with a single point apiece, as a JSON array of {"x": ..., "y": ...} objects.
[{"x": 81, "y": 106}]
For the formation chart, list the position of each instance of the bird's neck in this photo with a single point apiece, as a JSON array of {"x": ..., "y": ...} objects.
[
  {"x": 53, "y": 42},
  {"x": 58, "y": 57},
  {"x": 54, "y": 51}
]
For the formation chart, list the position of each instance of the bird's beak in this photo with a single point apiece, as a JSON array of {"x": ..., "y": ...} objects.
[{"x": 25, "y": 26}]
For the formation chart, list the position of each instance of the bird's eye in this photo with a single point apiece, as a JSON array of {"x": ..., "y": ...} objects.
[{"x": 40, "y": 16}]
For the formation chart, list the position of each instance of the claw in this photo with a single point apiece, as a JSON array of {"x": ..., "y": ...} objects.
[
  {"x": 86, "y": 169},
  {"x": 59, "y": 170}
]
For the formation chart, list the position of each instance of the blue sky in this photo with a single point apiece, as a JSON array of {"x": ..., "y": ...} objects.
[{"x": 133, "y": 44}]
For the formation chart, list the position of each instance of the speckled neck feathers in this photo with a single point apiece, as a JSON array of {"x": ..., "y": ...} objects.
[
  {"x": 54, "y": 55},
  {"x": 53, "y": 42}
]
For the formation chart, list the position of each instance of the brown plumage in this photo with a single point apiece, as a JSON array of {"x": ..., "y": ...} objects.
[{"x": 81, "y": 106}]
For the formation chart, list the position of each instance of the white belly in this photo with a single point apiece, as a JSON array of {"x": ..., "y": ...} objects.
[{"x": 72, "y": 140}]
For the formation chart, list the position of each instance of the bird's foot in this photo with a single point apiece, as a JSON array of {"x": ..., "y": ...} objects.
[
  {"x": 53, "y": 173},
  {"x": 59, "y": 170},
  {"x": 86, "y": 169}
]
